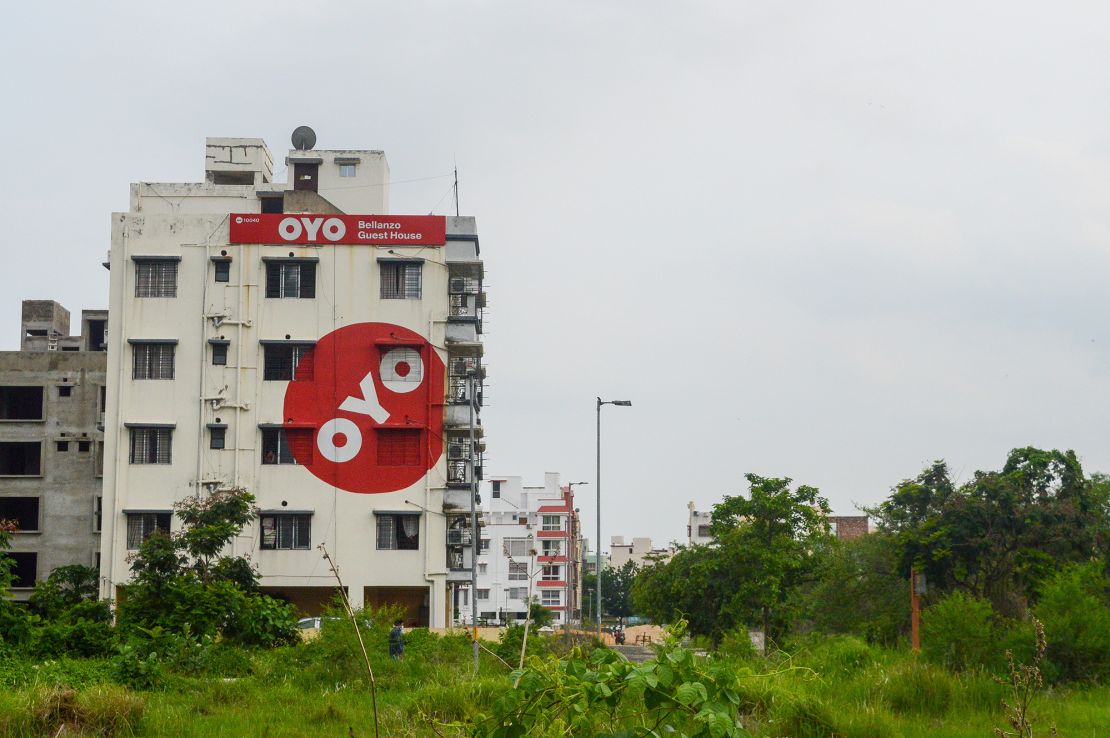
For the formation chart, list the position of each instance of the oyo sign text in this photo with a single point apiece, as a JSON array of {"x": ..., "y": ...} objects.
[
  {"x": 386, "y": 230},
  {"x": 371, "y": 396}
]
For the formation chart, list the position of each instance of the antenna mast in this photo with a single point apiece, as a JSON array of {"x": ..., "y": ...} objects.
[{"x": 456, "y": 189}]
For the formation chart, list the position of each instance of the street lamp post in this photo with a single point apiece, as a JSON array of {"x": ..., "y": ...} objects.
[{"x": 600, "y": 402}]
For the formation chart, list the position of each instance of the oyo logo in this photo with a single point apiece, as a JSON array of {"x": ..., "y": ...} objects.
[
  {"x": 291, "y": 229},
  {"x": 371, "y": 396}
]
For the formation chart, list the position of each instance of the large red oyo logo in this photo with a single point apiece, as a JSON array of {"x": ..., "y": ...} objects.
[{"x": 371, "y": 396}]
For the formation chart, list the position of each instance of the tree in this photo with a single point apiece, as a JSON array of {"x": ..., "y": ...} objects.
[
  {"x": 616, "y": 590},
  {"x": 766, "y": 546}
]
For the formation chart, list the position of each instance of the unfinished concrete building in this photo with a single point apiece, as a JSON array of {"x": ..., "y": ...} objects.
[{"x": 52, "y": 400}]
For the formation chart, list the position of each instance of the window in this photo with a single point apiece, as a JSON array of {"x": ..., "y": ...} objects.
[
  {"x": 23, "y": 510},
  {"x": 151, "y": 445},
  {"x": 286, "y": 531},
  {"x": 551, "y": 573},
  {"x": 518, "y": 571},
  {"x": 482, "y": 568},
  {"x": 516, "y": 547},
  {"x": 495, "y": 489},
  {"x": 98, "y": 459},
  {"x": 152, "y": 360},
  {"x": 25, "y": 570},
  {"x": 83, "y": 447},
  {"x": 483, "y": 594},
  {"x": 398, "y": 447},
  {"x": 551, "y": 597},
  {"x": 222, "y": 270},
  {"x": 286, "y": 361},
  {"x": 346, "y": 170},
  {"x": 65, "y": 390},
  {"x": 156, "y": 278},
  {"x": 20, "y": 458},
  {"x": 552, "y": 522},
  {"x": 398, "y": 531},
  {"x": 400, "y": 280},
  {"x": 62, "y": 445},
  {"x": 98, "y": 513},
  {"x": 103, "y": 398},
  {"x": 217, "y": 435},
  {"x": 286, "y": 445},
  {"x": 290, "y": 279},
  {"x": 703, "y": 531},
  {"x": 551, "y": 548},
  {"x": 141, "y": 526},
  {"x": 219, "y": 354},
  {"x": 273, "y": 204},
  {"x": 516, "y": 593},
  {"x": 21, "y": 403},
  {"x": 483, "y": 545}
]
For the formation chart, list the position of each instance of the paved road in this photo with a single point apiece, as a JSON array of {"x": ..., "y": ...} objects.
[{"x": 635, "y": 653}]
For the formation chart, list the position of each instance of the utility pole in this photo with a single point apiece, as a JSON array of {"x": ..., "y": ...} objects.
[{"x": 917, "y": 588}]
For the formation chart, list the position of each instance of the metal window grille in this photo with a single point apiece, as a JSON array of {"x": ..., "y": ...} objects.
[
  {"x": 518, "y": 571},
  {"x": 290, "y": 279},
  {"x": 141, "y": 526},
  {"x": 289, "y": 532},
  {"x": 286, "y": 445},
  {"x": 398, "y": 447},
  {"x": 398, "y": 532},
  {"x": 404, "y": 366},
  {"x": 156, "y": 278},
  {"x": 461, "y": 307},
  {"x": 460, "y": 365},
  {"x": 152, "y": 360},
  {"x": 400, "y": 280},
  {"x": 287, "y": 361},
  {"x": 151, "y": 445}
]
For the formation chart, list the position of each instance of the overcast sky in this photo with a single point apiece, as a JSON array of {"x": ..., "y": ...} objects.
[{"x": 830, "y": 241}]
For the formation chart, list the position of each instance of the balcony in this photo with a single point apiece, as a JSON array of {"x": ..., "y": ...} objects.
[{"x": 460, "y": 537}]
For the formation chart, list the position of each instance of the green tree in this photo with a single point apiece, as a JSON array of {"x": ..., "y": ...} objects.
[
  {"x": 616, "y": 590},
  {"x": 767, "y": 545},
  {"x": 14, "y": 620}
]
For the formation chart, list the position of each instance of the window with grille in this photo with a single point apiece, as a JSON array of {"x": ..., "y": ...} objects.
[
  {"x": 398, "y": 531},
  {"x": 551, "y": 597},
  {"x": 151, "y": 445},
  {"x": 400, "y": 280},
  {"x": 552, "y": 522},
  {"x": 286, "y": 445},
  {"x": 483, "y": 594},
  {"x": 516, "y": 548},
  {"x": 518, "y": 571},
  {"x": 152, "y": 360},
  {"x": 156, "y": 278},
  {"x": 286, "y": 531},
  {"x": 290, "y": 279},
  {"x": 398, "y": 447},
  {"x": 141, "y": 526},
  {"x": 551, "y": 573},
  {"x": 287, "y": 361}
]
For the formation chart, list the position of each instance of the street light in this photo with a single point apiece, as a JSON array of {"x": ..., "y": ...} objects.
[{"x": 600, "y": 402}]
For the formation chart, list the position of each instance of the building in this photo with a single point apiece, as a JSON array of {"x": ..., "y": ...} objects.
[
  {"x": 530, "y": 537},
  {"x": 296, "y": 340},
  {"x": 697, "y": 526},
  {"x": 639, "y": 551},
  {"x": 846, "y": 527},
  {"x": 51, "y": 446}
]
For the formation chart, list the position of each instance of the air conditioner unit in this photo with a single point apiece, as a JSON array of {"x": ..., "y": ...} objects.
[{"x": 456, "y": 451}]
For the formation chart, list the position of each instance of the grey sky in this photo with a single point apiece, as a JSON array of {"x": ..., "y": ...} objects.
[{"x": 832, "y": 241}]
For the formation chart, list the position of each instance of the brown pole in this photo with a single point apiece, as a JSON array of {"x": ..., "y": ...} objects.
[{"x": 915, "y": 612}]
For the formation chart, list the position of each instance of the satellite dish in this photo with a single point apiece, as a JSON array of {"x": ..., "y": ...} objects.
[{"x": 304, "y": 138}]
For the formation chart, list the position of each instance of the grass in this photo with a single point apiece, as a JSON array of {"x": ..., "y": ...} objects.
[{"x": 831, "y": 687}]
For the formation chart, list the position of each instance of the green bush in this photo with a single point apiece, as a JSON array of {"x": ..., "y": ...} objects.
[
  {"x": 837, "y": 656},
  {"x": 957, "y": 632},
  {"x": 1073, "y": 608},
  {"x": 737, "y": 644},
  {"x": 914, "y": 687}
]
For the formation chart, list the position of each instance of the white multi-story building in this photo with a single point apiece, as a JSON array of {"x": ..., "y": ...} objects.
[
  {"x": 529, "y": 545},
  {"x": 296, "y": 340},
  {"x": 639, "y": 551},
  {"x": 697, "y": 526}
]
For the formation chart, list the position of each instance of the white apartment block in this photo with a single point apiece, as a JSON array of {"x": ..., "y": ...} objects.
[
  {"x": 296, "y": 340},
  {"x": 529, "y": 546},
  {"x": 697, "y": 526},
  {"x": 639, "y": 551}
]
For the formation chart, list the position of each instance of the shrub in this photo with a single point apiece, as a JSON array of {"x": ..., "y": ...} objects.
[
  {"x": 917, "y": 688},
  {"x": 957, "y": 632},
  {"x": 837, "y": 656},
  {"x": 737, "y": 644},
  {"x": 1073, "y": 608}
]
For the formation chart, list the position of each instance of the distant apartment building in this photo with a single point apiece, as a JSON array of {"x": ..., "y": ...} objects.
[
  {"x": 697, "y": 526},
  {"x": 639, "y": 551},
  {"x": 52, "y": 399},
  {"x": 847, "y": 527},
  {"x": 530, "y": 544},
  {"x": 297, "y": 340}
]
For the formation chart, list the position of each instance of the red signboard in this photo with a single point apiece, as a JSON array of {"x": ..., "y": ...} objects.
[{"x": 309, "y": 228}]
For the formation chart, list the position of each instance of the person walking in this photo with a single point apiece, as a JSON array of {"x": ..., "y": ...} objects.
[{"x": 397, "y": 641}]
